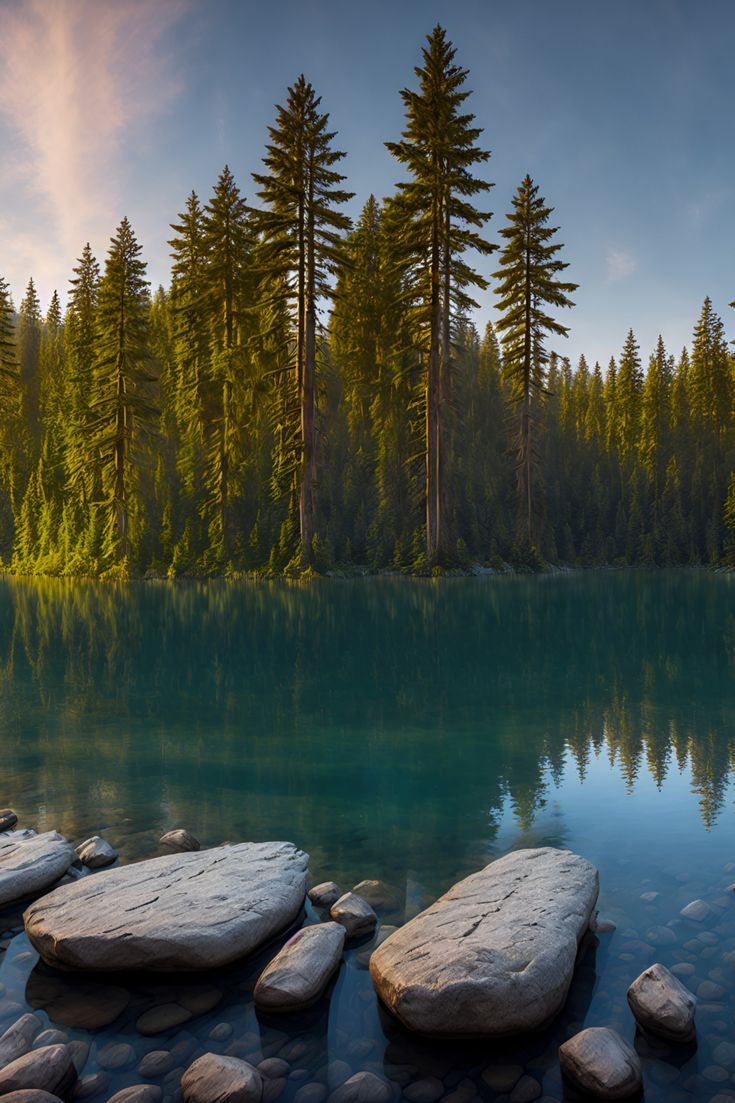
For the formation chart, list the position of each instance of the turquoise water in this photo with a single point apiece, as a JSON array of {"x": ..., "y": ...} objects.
[{"x": 405, "y": 730}]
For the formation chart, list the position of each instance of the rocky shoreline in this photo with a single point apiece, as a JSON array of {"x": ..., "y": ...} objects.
[{"x": 494, "y": 958}]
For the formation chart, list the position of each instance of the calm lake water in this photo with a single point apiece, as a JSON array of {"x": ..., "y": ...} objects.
[{"x": 399, "y": 729}]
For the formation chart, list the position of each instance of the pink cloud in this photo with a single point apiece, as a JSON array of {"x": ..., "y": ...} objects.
[{"x": 78, "y": 81}]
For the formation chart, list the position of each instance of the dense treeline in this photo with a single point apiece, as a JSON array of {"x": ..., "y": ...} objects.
[{"x": 308, "y": 393}]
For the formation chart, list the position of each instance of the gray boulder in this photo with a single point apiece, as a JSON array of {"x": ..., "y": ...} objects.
[
  {"x": 50, "y": 1069},
  {"x": 180, "y": 839},
  {"x": 179, "y": 912},
  {"x": 325, "y": 894},
  {"x": 598, "y": 1061},
  {"x": 355, "y": 915},
  {"x": 215, "y": 1079},
  {"x": 662, "y": 1005},
  {"x": 299, "y": 973},
  {"x": 95, "y": 853},
  {"x": 496, "y": 953},
  {"x": 18, "y": 1039},
  {"x": 30, "y": 863}
]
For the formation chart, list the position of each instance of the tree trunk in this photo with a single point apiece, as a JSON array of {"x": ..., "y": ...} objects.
[
  {"x": 433, "y": 501},
  {"x": 444, "y": 434}
]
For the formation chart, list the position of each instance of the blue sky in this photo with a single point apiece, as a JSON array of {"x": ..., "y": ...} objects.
[{"x": 620, "y": 109}]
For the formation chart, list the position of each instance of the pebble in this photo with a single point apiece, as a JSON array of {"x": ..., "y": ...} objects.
[
  {"x": 502, "y": 1078},
  {"x": 156, "y": 1063},
  {"x": 683, "y": 969},
  {"x": 116, "y": 1055},
  {"x": 526, "y": 1090},
  {"x": 715, "y": 1073},
  {"x": 273, "y": 1089},
  {"x": 92, "y": 1084},
  {"x": 274, "y": 1067},
  {"x": 79, "y": 1054},
  {"x": 724, "y": 1054},
  {"x": 8, "y": 819},
  {"x": 426, "y": 1090},
  {"x": 180, "y": 839},
  {"x": 50, "y": 1038},
  {"x": 708, "y": 990},
  {"x": 697, "y": 910},
  {"x": 137, "y": 1093},
  {"x": 311, "y": 1093},
  {"x": 163, "y": 1017},
  {"x": 464, "y": 1092},
  {"x": 324, "y": 895},
  {"x": 364, "y": 1087},
  {"x": 221, "y": 1032}
]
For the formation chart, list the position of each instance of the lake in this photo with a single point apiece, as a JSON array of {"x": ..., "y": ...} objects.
[{"x": 406, "y": 730}]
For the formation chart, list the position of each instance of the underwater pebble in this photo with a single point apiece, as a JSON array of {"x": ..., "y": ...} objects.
[
  {"x": 526, "y": 1090},
  {"x": 273, "y": 1067},
  {"x": 156, "y": 1063},
  {"x": 91, "y": 1084},
  {"x": 221, "y": 1032},
  {"x": 696, "y": 910},
  {"x": 426, "y": 1090},
  {"x": 502, "y": 1078},
  {"x": 116, "y": 1055},
  {"x": 311, "y": 1093}
]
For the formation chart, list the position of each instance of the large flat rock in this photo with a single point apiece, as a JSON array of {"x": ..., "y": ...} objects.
[
  {"x": 495, "y": 955},
  {"x": 30, "y": 863},
  {"x": 183, "y": 911}
]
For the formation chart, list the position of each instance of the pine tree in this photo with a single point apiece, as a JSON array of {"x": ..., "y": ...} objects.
[
  {"x": 29, "y": 349},
  {"x": 436, "y": 223},
  {"x": 301, "y": 250},
  {"x": 8, "y": 363},
  {"x": 122, "y": 407},
  {"x": 528, "y": 286},
  {"x": 628, "y": 396}
]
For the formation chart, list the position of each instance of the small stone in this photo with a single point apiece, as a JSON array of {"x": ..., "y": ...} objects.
[
  {"x": 116, "y": 1055},
  {"x": 662, "y": 1005},
  {"x": 355, "y": 915},
  {"x": 599, "y": 1061},
  {"x": 95, "y": 853},
  {"x": 18, "y": 1039},
  {"x": 661, "y": 936},
  {"x": 715, "y": 1074},
  {"x": 50, "y": 1069},
  {"x": 221, "y": 1032},
  {"x": 161, "y": 1018},
  {"x": 274, "y": 1067},
  {"x": 465, "y": 1092},
  {"x": 156, "y": 1063},
  {"x": 8, "y": 819},
  {"x": 724, "y": 1054},
  {"x": 526, "y": 1090},
  {"x": 708, "y": 990},
  {"x": 50, "y": 1038},
  {"x": 378, "y": 894},
  {"x": 697, "y": 910},
  {"x": 683, "y": 969},
  {"x": 138, "y": 1093},
  {"x": 79, "y": 1054},
  {"x": 180, "y": 839},
  {"x": 92, "y": 1084},
  {"x": 199, "y": 1000},
  {"x": 649, "y": 897},
  {"x": 299, "y": 973},
  {"x": 502, "y": 1078},
  {"x": 311, "y": 1093},
  {"x": 426, "y": 1090},
  {"x": 363, "y": 1087},
  {"x": 324, "y": 895},
  {"x": 224, "y": 1079},
  {"x": 273, "y": 1089}
]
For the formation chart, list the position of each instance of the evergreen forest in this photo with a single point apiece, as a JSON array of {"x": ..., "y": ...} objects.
[{"x": 311, "y": 394}]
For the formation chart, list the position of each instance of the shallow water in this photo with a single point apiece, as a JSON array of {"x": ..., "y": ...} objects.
[{"x": 398, "y": 729}]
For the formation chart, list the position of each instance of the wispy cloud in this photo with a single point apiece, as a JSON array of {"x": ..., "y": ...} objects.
[
  {"x": 78, "y": 81},
  {"x": 619, "y": 264}
]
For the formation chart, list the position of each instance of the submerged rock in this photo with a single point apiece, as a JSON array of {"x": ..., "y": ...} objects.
[
  {"x": 18, "y": 1039},
  {"x": 180, "y": 839},
  {"x": 215, "y": 1079},
  {"x": 495, "y": 954},
  {"x": 182, "y": 911},
  {"x": 30, "y": 863},
  {"x": 299, "y": 973},
  {"x": 662, "y": 1005},
  {"x": 363, "y": 1087},
  {"x": 75, "y": 1002},
  {"x": 698, "y": 910},
  {"x": 378, "y": 894},
  {"x": 324, "y": 895},
  {"x": 8, "y": 819},
  {"x": 355, "y": 915},
  {"x": 50, "y": 1069},
  {"x": 31, "y": 1095},
  {"x": 600, "y": 1062},
  {"x": 137, "y": 1093},
  {"x": 96, "y": 853}
]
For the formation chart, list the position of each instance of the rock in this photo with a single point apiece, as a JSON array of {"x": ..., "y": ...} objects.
[
  {"x": 28, "y": 865},
  {"x": 96, "y": 853},
  {"x": 709, "y": 990},
  {"x": 213, "y": 1079},
  {"x": 426, "y": 1090},
  {"x": 79, "y": 1054},
  {"x": 91, "y": 1084},
  {"x": 8, "y": 819},
  {"x": 180, "y": 839},
  {"x": 18, "y": 1039},
  {"x": 662, "y": 1005},
  {"x": 116, "y": 1055},
  {"x": 157, "y": 1063},
  {"x": 324, "y": 895},
  {"x": 599, "y": 1061},
  {"x": 78, "y": 1003},
  {"x": 274, "y": 1068},
  {"x": 724, "y": 1054},
  {"x": 50, "y": 1037},
  {"x": 299, "y": 973},
  {"x": 697, "y": 910},
  {"x": 30, "y": 1095},
  {"x": 164, "y": 1016},
  {"x": 50, "y": 1069},
  {"x": 378, "y": 894},
  {"x": 502, "y": 1078},
  {"x": 311, "y": 1093},
  {"x": 495, "y": 954},
  {"x": 355, "y": 915},
  {"x": 179, "y": 912},
  {"x": 137, "y": 1093},
  {"x": 363, "y": 1087}
]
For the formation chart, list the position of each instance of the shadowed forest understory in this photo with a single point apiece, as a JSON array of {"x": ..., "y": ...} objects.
[{"x": 310, "y": 394}]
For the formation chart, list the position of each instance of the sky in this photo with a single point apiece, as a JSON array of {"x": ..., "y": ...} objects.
[{"x": 620, "y": 110}]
